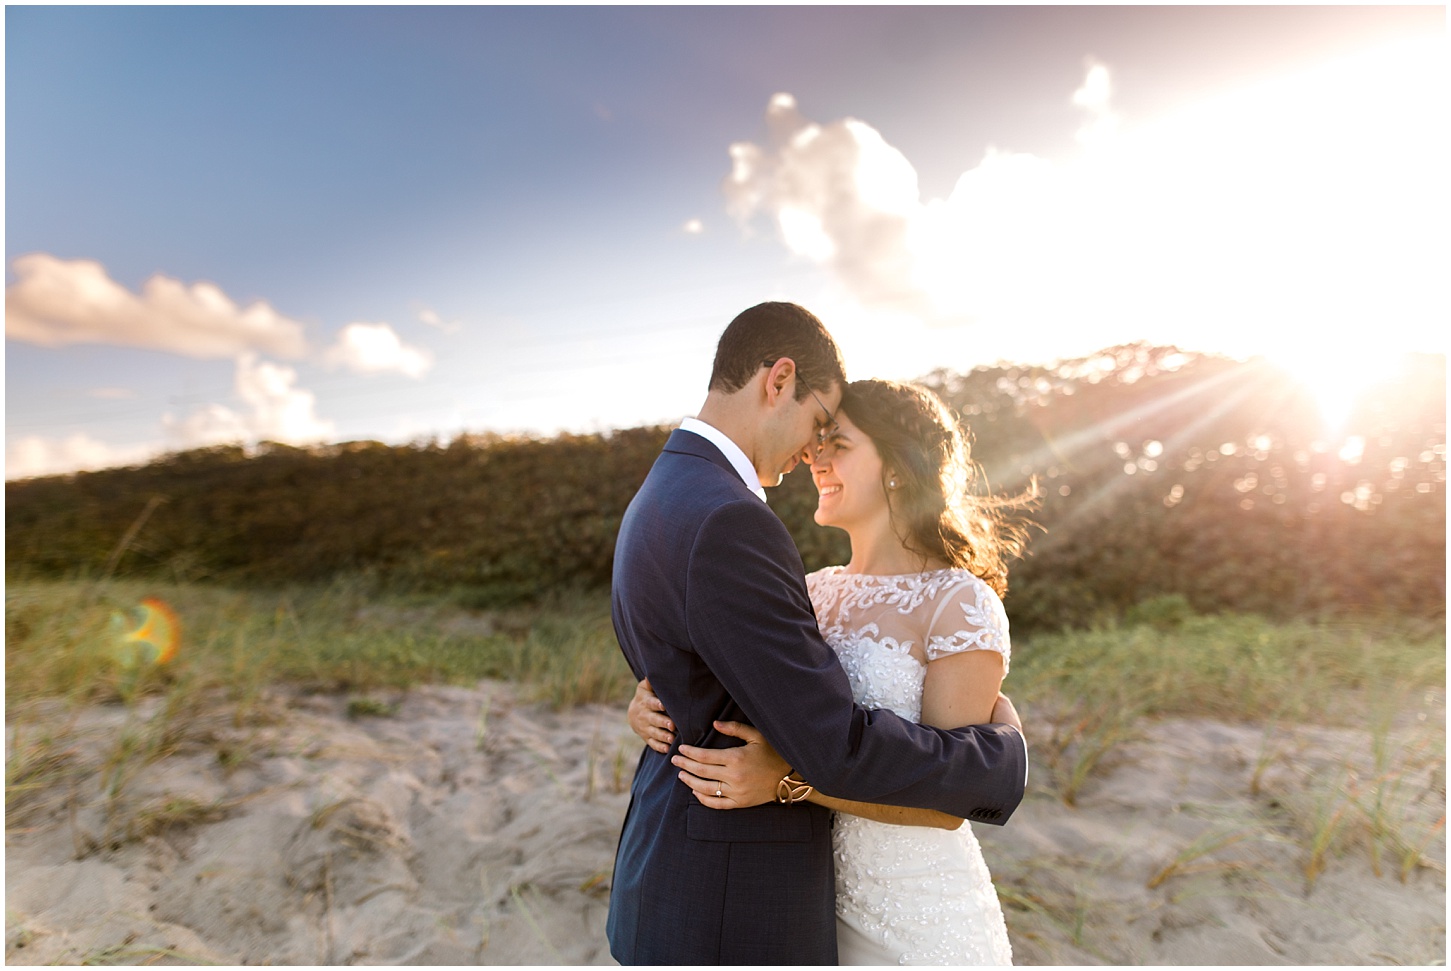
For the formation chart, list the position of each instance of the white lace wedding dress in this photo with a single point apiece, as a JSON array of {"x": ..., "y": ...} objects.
[{"x": 909, "y": 894}]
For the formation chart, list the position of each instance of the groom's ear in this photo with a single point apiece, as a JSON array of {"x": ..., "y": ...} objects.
[{"x": 781, "y": 375}]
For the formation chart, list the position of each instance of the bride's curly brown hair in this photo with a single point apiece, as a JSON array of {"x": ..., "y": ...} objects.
[{"x": 935, "y": 510}]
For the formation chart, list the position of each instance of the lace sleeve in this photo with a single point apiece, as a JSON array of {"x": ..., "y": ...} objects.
[{"x": 969, "y": 617}]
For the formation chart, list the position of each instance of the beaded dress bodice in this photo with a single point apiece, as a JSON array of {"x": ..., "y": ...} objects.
[{"x": 911, "y": 894}]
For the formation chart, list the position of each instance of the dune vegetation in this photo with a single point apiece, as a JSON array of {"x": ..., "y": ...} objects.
[{"x": 1203, "y": 550}]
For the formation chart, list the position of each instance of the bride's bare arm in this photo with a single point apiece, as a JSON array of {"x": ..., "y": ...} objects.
[
  {"x": 898, "y": 815},
  {"x": 962, "y": 689}
]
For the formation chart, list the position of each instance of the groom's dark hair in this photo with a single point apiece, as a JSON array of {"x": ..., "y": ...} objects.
[{"x": 768, "y": 332}]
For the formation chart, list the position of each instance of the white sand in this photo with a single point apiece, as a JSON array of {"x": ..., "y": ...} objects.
[{"x": 468, "y": 829}]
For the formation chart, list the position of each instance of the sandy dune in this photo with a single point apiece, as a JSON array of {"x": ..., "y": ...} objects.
[{"x": 466, "y": 828}]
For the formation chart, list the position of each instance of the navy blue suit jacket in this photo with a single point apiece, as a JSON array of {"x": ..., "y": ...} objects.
[{"x": 710, "y": 603}]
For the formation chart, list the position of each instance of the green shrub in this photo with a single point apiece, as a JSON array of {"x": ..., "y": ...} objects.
[
  {"x": 1165, "y": 612},
  {"x": 1237, "y": 501}
]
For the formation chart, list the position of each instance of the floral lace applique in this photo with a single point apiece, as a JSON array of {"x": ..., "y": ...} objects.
[
  {"x": 987, "y": 625},
  {"x": 850, "y": 605}
]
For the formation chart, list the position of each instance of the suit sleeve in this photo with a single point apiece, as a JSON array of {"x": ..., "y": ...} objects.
[{"x": 752, "y": 623}]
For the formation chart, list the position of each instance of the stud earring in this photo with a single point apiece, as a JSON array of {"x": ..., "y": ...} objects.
[{"x": 891, "y": 483}]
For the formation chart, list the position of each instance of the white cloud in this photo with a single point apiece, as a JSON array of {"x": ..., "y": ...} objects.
[
  {"x": 1315, "y": 200},
  {"x": 1093, "y": 97},
  {"x": 209, "y": 425},
  {"x": 277, "y": 412},
  {"x": 280, "y": 412},
  {"x": 838, "y": 193},
  {"x": 33, "y": 455},
  {"x": 272, "y": 409},
  {"x": 374, "y": 349},
  {"x": 429, "y": 316},
  {"x": 55, "y": 302}
]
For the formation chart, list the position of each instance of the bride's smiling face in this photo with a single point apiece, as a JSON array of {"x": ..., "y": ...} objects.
[{"x": 848, "y": 477}]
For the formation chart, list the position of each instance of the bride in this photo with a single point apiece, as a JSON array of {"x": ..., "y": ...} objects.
[{"x": 917, "y": 622}]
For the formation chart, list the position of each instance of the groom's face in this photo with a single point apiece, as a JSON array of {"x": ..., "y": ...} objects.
[{"x": 797, "y": 432}]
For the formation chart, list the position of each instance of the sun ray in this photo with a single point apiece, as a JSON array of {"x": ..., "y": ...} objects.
[
  {"x": 1084, "y": 438},
  {"x": 1101, "y": 496}
]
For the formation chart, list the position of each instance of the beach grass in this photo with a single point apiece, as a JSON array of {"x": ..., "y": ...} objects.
[
  {"x": 349, "y": 637},
  {"x": 66, "y": 650},
  {"x": 1090, "y": 691},
  {"x": 1087, "y": 693},
  {"x": 1236, "y": 667},
  {"x": 1083, "y": 693},
  {"x": 62, "y": 643}
]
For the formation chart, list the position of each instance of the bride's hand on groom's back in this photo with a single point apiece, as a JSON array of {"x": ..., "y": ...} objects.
[
  {"x": 744, "y": 776},
  {"x": 648, "y": 720}
]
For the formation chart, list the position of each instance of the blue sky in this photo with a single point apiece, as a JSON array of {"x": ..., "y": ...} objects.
[{"x": 334, "y": 223}]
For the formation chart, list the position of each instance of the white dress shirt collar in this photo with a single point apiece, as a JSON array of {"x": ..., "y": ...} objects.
[{"x": 730, "y": 450}]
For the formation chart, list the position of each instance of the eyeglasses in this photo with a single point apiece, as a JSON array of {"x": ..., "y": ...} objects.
[{"x": 824, "y": 430}]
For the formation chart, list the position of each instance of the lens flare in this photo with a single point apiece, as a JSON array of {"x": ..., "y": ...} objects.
[
  {"x": 150, "y": 634},
  {"x": 1339, "y": 378}
]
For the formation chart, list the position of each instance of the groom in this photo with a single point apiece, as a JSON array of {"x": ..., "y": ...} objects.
[{"x": 710, "y": 605}]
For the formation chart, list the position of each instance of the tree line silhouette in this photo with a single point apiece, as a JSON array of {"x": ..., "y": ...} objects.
[{"x": 1162, "y": 472}]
